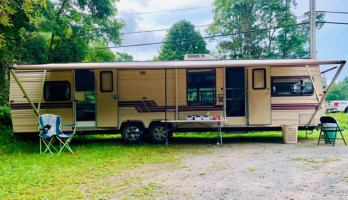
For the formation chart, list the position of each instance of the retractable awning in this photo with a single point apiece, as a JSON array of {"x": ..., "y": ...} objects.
[{"x": 177, "y": 64}]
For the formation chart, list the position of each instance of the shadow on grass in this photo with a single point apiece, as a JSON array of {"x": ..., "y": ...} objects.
[
  {"x": 30, "y": 143},
  {"x": 227, "y": 140}
]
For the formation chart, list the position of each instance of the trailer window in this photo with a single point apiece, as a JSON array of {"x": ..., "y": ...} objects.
[
  {"x": 291, "y": 86},
  {"x": 106, "y": 81},
  {"x": 201, "y": 87},
  {"x": 259, "y": 79},
  {"x": 57, "y": 91}
]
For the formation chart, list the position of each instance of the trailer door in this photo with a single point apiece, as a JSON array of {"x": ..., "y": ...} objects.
[
  {"x": 259, "y": 95},
  {"x": 107, "y": 103}
]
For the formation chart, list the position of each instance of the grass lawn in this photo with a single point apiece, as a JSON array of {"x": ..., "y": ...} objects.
[{"x": 25, "y": 174}]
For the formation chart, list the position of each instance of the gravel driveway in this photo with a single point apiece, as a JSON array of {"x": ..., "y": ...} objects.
[{"x": 244, "y": 171}]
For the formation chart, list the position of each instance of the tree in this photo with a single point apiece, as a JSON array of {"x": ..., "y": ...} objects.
[
  {"x": 123, "y": 57},
  {"x": 41, "y": 31},
  {"x": 181, "y": 39},
  {"x": 237, "y": 16},
  {"x": 260, "y": 29},
  {"x": 16, "y": 19},
  {"x": 75, "y": 24},
  {"x": 99, "y": 52},
  {"x": 339, "y": 91}
]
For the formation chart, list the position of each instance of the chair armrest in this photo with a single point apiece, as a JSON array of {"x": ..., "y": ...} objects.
[
  {"x": 74, "y": 126},
  {"x": 68, "y": 125}
]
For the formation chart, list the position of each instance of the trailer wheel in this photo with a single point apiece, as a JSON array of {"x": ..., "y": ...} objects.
[
  {"x": 158, "y": 132},
  {"x": 132, "y": 132},
  {"x": 346, "y": 110}
]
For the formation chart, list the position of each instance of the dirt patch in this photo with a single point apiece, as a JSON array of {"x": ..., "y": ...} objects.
[{"x": 243, "y": 171}]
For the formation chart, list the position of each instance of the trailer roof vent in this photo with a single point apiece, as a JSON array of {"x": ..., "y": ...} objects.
[{"x": 199, "y": 57}]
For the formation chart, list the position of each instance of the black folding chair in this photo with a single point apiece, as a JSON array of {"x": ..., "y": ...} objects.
[{"x": 329, "y": 126}]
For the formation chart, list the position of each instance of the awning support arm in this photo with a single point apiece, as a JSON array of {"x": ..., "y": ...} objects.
[
  {"x": 42, "y": 86},
  {"x": 24, "y": 92},
  {"x": 343, "y": 62},
  {"x": 312, "y": 81}
]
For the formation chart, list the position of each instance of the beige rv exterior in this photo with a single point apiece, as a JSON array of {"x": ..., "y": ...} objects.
[{"x": 134, "y": 93}]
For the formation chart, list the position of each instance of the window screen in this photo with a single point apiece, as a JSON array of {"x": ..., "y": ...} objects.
[
  {"x": 259, "y": 79},
  {"x": 57, "y": 91},
  {"x": 201, "y": 87},
  {"x": 291, "y": 86},
  {"x": 84, "y": 80},
  {"x": 106, "y": 81}
]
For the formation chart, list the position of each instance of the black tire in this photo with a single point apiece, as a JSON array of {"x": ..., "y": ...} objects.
[
  {"x": 346, "y": 110},
  {"x": 158, "y": 132},
  {"x": 133, "y": 132}
]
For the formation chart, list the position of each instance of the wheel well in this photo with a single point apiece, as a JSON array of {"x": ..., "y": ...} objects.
[
  {"x": 139, "y": 123},
  {"x": 159, "y": 122}
]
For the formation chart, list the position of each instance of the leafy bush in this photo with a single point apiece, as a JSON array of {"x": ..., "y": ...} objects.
[{"x": 5, "y": 116}]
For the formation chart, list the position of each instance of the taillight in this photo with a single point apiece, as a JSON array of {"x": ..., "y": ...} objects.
[{"x": 336, "y": 104}]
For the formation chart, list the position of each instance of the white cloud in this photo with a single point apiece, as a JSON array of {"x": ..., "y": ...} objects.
[
  {"x": 155, "y": 21},
  {"x": 332, "y": 40}
]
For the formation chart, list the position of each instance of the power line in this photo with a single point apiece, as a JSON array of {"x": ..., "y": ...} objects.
[
  {"x": 221, "y": 35},
  {"x": 341, "y": 23},
  {"x": 205, "y": 37},
  {"x": 167, "y": 29},
  {"x": 335, "y": 12},
  {"x": 161, "y": 11},
  {"x": 159, "y": 30}
]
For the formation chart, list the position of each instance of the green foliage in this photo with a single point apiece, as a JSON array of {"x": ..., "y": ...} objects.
[
  {"x": 36, "y": 48},
  {"x": 123, "y": 57},
  {"x": 181, "y": 39},
  {"x": 40, "y": 31},
  {"x": 100, "y": 53},
  {"x": 339, "y": 91},
  {"x": 4, "y": 86},
  {"x": 73, "y": 26},
  {"x": 5, "y": 116},
  {"x": 251, "y": 19}
]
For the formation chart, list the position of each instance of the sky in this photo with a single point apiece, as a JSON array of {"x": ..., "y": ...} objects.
[{"x": 332, "y": 39}]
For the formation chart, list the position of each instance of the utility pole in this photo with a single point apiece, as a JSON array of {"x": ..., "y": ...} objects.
[{"x": 313, "y": 18}]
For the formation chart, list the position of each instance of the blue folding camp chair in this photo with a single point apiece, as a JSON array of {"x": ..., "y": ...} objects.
[
  {"x": 50, "y": 127},
  {"x": 47, "y": 124}
]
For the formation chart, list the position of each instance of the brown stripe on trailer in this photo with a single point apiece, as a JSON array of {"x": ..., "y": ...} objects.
[
  {"x": 151, "y": 106},
  {"x": 304, "y": 106},
  {"x": 24, "y": 106}
]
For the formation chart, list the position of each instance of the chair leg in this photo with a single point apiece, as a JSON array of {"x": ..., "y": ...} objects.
[
  {"x": 319, "y": 136},
  {"x": 65, "y": 144},
  {"x": 334, "y": 141},
  {"x": 47, "y": 146},
  {"x": 40, "y": 146},
  {"x": 343, "y": 138}
]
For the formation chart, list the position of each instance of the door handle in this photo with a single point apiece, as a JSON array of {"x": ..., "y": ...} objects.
[{"x": 114, "y": 96}]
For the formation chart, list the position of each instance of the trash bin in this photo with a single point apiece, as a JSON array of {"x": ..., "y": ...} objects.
[
  {"x": 329, "y": 135},
  {"x": 290, "y": 133}
]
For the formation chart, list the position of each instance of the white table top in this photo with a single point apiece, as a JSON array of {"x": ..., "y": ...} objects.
[{"x": 194, "y": 121}]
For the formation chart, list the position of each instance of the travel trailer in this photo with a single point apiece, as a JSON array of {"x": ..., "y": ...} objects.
[{"x": 128, "y": 97}]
